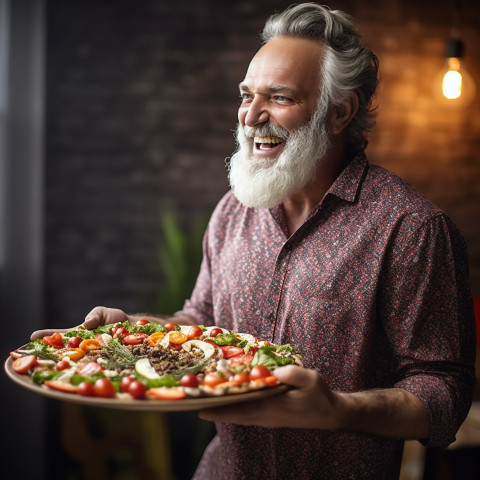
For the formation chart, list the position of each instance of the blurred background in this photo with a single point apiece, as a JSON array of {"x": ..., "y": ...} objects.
[{"x": 115, "y": 120}]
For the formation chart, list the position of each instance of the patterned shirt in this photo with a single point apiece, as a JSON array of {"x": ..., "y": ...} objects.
[{"x": 373, "y": 291}]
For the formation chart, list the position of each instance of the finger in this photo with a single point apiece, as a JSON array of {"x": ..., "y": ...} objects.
[
  {"x": 240, "y": 414},
  {"x": 94, "y": 318},
  {"x": 296, "y": 376}
]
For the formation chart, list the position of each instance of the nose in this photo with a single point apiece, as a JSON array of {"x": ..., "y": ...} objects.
[{"x": 255, "y": 112}]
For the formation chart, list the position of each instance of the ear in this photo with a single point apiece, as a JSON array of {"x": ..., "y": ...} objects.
[{"x": 341, "y": 115}]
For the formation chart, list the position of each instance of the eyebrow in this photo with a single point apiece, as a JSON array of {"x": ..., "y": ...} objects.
[{"x": 273, "y": 89}]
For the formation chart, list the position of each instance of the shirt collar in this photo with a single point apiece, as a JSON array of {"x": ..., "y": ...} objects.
[{"x": 348, "y": 182}]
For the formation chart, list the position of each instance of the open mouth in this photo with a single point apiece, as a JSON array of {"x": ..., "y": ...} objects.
[{"x": 267, "y": 143}]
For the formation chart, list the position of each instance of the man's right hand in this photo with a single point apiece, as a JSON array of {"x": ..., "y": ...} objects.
[
  {"x": 105, "y": 316},
  {"x": 98, "y": 316}
]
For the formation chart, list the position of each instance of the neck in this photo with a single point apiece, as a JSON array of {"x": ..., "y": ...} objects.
[{"x": 299, "y": 205}]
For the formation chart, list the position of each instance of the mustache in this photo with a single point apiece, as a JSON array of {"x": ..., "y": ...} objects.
[{"x": 266, "y": 130}]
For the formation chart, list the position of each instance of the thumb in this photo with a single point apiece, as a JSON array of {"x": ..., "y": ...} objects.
[{"x": 296, "y": 376}]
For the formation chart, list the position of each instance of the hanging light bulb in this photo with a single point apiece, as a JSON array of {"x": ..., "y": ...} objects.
[{"x": 457, "y": 86}]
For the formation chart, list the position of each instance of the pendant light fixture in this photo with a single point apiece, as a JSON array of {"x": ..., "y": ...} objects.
[{"x": 454, "y": 84}]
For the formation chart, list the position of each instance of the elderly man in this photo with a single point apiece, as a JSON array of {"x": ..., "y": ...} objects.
[{"x": 348, "y": 263}]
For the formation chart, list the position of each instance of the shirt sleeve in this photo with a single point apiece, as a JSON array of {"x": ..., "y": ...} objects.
[
  {"x": 427, "y": 314},
  {"x": 200, "y": 306}
]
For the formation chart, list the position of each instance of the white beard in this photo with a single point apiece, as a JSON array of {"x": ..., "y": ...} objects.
[{"x": 260, "y": 185}]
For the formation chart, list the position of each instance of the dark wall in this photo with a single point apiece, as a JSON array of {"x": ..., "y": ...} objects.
[
  {"x": 141, "y": 104},
  {"x": 141, "y": 100}
]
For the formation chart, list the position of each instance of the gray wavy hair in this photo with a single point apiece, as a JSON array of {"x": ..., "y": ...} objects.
[{"x": 347, "y": 66}]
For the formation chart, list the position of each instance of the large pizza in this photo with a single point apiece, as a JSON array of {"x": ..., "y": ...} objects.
[{"x": 150, "y": 362}]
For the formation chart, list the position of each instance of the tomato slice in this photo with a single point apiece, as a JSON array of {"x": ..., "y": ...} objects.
[
  {"x": 55, "y": 340},
  {"x": 89, "y": 368},
  {"x": 61, "y": 386},
  {"x": 269, "y": 381},
  {"x": 245, "y": 359},
  {"x": 90, "y": 344},
  {"x": 213, "y": 379},
  {"x": 74, "y": 354},
  {"x": 230, "y": 351},
  {"x": 155, "y": 338},
  {"x": 177, "y": 338},
  {"x": 166, "y": 393},
  {"x": 23, "y": 364},
  {"x": 134, "y": 338}
]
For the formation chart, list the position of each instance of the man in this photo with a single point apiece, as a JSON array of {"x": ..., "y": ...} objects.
[{"x": 348, "y": 263}]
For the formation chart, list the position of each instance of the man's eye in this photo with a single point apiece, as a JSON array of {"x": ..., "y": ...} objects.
[
  {"x": 245, "y": 96},
  {"x": 281, "y": 98}
]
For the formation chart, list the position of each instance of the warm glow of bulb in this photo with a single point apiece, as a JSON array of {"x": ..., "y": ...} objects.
[{"x": 452, "y": 84}]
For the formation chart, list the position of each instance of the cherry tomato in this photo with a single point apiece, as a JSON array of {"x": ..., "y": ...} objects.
[
  {"x": 215, "y": 331},
  {"x": 103, "y": 387},
  {"x": 85, "y": 389},
  {"x": 143, "y": 321},
  {"x": 121, "y": 332},
  {"x": 230, "y": 351},
  {"x": 155, "y": 338},
  {"x": 90, "y": 368},
  {"x": 194, "y": 332},
  {"x": 170, "y": 326},
  {"x": 189, "y": 380},
  {"x": 213, "y": 379},
  {"x": 134, "y": 338},
  {"x": 125, "y": 383},
  {"x": 259, "y": 371},
  {"x": 137, "y": 389},
  {"x": 177, "y": 338},
  {"x": 90, "y": 344},
  {"x": 62, "y": 365},
  {"x": 23, "y": 364},
  {"x": 75, "y": 342},
  {"x": 241, "y": 378},
  {"x": 54, "y": 340}
]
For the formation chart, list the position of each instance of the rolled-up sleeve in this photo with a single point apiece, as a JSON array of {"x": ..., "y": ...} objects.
[{"x": 427, "y": 312}]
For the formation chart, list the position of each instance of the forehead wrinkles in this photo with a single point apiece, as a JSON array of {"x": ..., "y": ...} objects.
[{"x": 288, "y": 63}]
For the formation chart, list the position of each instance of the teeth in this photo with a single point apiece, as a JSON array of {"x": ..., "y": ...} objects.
[{"x": 268, "y": 140}]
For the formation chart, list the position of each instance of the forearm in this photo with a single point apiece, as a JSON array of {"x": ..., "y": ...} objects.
[{"x": 393, "y": 413}]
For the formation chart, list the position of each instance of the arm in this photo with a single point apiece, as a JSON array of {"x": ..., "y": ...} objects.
[{"x": 393, "y": 412}]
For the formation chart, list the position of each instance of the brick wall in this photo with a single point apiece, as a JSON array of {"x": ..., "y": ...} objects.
[{"x": 141, "y": 102}]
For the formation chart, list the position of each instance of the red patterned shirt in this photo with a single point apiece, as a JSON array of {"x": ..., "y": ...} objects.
[{"x": 372, "y": 290}]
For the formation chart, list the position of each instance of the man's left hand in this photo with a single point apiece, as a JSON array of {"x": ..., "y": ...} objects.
[{"x": 309, "y": 404}]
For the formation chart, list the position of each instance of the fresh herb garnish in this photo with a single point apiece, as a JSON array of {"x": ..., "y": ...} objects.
[{"x": 119, "y": 355}]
